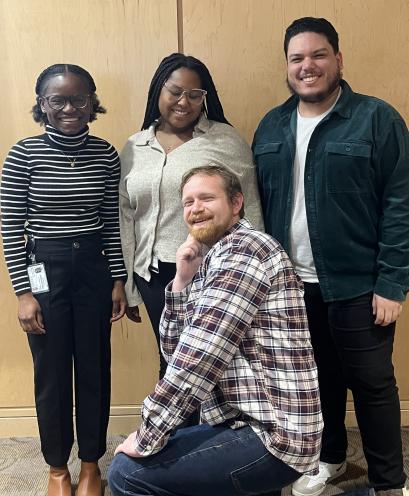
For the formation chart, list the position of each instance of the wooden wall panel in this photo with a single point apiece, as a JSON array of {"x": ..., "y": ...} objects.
[
  {"x": 121, "y": 43},
  {"x": 242, "y": 43}
]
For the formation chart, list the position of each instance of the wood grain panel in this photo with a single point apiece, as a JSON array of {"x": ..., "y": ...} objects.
[
  {"x": 242, "y": 43},
  {"x": 120, "y": 42}
]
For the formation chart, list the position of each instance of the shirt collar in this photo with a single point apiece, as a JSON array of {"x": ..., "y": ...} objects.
[
  {"x": 239, "y": 224},
  {"x": 342, "y": 106},
  {"x": 147, "y": 136},
  {"x": 67, "y": 142}
]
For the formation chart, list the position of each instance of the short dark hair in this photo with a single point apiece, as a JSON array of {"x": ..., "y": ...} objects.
[
  {"x": 230, "y": 180},
  {"x": 312, "y": 25},
  {"x": 55, "y": 70},
  {"x": 212, "y": 106}
]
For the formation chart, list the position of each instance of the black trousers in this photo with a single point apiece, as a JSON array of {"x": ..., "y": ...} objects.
[
  {"x": 352, "y": 352},
  {"x": 76, "y": 312},
  {"x": 153, "y": 295}
]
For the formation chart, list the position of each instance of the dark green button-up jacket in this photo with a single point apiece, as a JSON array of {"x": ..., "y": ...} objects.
[{"x": 356, "y": 193}]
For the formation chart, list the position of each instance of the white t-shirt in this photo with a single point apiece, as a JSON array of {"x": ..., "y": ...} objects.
[{"x": 300, "y": 245}]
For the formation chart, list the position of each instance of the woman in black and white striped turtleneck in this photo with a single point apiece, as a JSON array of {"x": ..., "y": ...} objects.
[{"x": 60, "y": 190}]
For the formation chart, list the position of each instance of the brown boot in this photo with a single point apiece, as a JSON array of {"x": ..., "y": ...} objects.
[
  {"x": 90, "y": 480},
  {"x": 59, "y": 483}
]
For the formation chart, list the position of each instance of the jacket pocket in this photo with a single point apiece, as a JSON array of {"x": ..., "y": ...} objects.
[
  {"x": 348, "y": 167},
  {"x": 268, "y": 159}
]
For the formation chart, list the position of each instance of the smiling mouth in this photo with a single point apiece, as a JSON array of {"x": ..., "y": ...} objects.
[
  {"x": 69, "y": 119},
  {"x": 309, "y": 79},
  {"x": 182, "y": 113},
  {"x": 199, "y": 221}
]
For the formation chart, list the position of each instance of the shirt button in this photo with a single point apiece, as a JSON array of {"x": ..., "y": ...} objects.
[
  {"x": 347, "y": 148},
  {"x": 148, "y": 447},
  {"x": 76, "y": 244}
]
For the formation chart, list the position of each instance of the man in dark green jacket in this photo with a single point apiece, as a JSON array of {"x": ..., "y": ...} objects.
[{"x": 333, "y": 172}]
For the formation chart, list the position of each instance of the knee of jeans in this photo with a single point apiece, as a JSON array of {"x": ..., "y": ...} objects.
[{"x": 116, "y": 475}]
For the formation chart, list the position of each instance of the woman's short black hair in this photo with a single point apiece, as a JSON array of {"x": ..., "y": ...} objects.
[
  {"x": 212, "y": 106},
  {"x": 55, "y": 70}
]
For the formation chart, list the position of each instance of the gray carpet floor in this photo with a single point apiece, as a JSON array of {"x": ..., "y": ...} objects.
[{"x": 23, "y": 471}]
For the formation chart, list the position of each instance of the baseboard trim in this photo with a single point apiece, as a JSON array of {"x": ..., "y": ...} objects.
[{"x": 22, "y": 422}]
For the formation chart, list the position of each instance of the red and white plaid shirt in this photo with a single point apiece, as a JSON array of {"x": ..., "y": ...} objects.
[{"x": 238, "y": 347}]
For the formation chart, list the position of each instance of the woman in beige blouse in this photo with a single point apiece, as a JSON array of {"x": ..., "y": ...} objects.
[{"x": 184, "y": 127}]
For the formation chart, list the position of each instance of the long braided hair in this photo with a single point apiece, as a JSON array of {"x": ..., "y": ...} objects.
[
  {"x": 212, "y": 106},
  {"x": 55, "y": 70}
]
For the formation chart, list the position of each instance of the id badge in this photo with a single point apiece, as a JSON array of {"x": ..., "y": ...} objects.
[{"x": 38, "y": 278}]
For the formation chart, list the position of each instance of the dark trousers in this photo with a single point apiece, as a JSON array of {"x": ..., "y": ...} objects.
[
  {"x": 153, "y": 295},
  {"x": 352, "y": 352},
  {"x": 76, "y": 313}
]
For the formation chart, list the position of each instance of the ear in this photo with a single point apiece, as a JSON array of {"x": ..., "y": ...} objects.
[
  {"x": 41, "y": 103},
  {"x": 339, "y": 57},
  {"x": 237, "y": 203}
]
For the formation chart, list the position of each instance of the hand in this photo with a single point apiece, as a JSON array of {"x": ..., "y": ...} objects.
[
  {"x": 119, "y": 302},
  {"x": 133, "y": 314},
  {"x": 386, "y": 311},
  {"x": 127, "y": 447},
  {"x": 188, "y": 260},
  {"x": 30, "y": 315}
]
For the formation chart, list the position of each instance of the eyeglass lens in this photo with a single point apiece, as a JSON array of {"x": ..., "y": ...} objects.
[
  {"x": 195, "y": 96},
  {"x": 58, "y": 102}
]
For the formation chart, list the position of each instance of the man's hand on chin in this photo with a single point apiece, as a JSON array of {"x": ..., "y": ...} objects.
[{"x": 188, "y": 260}]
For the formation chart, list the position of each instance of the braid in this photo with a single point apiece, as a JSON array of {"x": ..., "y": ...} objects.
[
  {"x": 58, "y": 69},
  {"x": 212, "y": 106}
]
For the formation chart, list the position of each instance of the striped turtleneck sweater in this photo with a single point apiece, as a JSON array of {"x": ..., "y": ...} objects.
[{"x": 55, "y": 186}]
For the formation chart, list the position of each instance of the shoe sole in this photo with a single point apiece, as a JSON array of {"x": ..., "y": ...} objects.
[{"x": 340, "y": 472}]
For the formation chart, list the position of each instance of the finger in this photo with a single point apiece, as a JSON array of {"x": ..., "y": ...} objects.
[
  {"x": 115, "y": 307},
  {"x": 120, "y": 312},
  {"x": 118, "y": 449},
  {"x": 387, "y": 319},
  {"x": 40, "y": 320},
  {"x": 380, "y": 314},
  {"x": 122, "y": 309},
  {"x": 29, "y": 328},
  {"x": 33, "y": 327},
  {"x": 374, "y": 305}
]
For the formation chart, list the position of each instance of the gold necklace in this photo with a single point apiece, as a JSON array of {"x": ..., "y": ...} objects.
[{"x": 72, "y": 159}]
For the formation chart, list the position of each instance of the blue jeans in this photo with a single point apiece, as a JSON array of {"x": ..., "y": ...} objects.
[{"x": 203, "y": 460}]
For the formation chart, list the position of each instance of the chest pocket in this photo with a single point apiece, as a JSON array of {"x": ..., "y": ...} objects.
[
  {"x": 269, "y": 162},
  {"x": 348, "y": 167}
]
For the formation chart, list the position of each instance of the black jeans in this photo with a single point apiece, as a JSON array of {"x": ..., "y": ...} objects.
[
  {"x": 76, "y": 312},
  {"x": 153, "y": 295},
  {"x": 352, "y": 352}
]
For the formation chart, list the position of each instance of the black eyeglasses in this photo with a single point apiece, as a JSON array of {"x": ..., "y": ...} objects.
[
  {"x": 58, "y": 102},
  {"x": 195, "y": 96}
]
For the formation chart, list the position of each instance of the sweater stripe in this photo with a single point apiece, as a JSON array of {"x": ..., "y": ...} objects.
[{"x": 42, "y": 195}]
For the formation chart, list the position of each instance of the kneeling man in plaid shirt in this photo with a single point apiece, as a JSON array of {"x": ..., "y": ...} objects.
[{"x": 235, "y": 334}]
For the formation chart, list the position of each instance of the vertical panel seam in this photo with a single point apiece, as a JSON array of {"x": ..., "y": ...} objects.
[{"x": 179, "y": 17}]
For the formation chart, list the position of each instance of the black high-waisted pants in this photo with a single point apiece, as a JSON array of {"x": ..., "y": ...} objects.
[{"x": 76, "y": 312}]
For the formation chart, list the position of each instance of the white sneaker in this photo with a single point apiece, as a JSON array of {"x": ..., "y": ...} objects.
[{"x": 314, "y": 485}]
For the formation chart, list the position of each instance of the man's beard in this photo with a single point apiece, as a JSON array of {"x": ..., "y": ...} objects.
[
  {"x": 210, "y": 234},
  {"x": 320, "y": 96}
]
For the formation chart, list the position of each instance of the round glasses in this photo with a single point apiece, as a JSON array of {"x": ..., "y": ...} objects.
[
  {"x": 58, "y": 102},
  {"x": 194, "y": 96}
]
